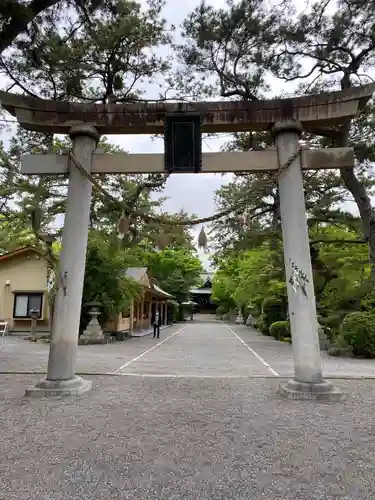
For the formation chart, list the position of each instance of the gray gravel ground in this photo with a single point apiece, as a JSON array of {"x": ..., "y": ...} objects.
[
  {"x": 155, "y": 438},
  {"x": 176, "y": 424},
  {"x": 203, "y": 349},
  {"x": 20, "y": 355}
]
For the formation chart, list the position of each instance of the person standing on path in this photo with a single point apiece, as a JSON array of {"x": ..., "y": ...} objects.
[{"x": 157, "y": 325}]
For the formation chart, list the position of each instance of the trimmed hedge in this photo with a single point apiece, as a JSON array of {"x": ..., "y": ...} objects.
[
  {"x": 263, "y": 325},
  {"x": 280, "y": 329},
  {"x": 358, "y": 330},
  {"x": 273, "y": 309},
  {"x": 221, "y": 310}
]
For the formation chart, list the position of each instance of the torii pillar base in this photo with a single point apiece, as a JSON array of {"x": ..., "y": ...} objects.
[
  {"x": 52, "y": 388},
  {"x": 321, "y": 391}
]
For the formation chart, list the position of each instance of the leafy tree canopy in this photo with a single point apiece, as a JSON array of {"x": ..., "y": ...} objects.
[{"x": 176, "y": 271}]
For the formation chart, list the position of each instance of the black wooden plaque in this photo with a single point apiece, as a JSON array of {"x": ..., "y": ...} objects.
[{"x": 182, "y": 143}]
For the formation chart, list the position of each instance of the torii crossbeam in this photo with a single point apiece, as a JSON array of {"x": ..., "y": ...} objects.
[
  {"x": 251, "y": 161},
  {"x": 317, "y": 113}
]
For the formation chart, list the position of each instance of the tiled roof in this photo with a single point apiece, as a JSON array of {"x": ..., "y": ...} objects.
[
  {"x": 161, "y": 291},
  {"x": 137, "y": 274},
  {"x": 20, "y": 251}
]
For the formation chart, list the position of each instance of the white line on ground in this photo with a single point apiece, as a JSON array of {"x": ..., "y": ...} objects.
[
  {"x": 271, "y": 370},
  {"x": 187, "y": 375},
  {"x": 149, "y": 350}
]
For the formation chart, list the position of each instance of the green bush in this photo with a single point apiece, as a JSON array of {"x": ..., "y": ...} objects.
[
  {"x": 273, "y": 309},
  {"x": 105, "y": 281},
  {"x": 253, "y": 309},
  {"x": 358, "y": 330},
  {"x": 121, "y": 336},
  {"x": 256, "y": 304},
  {"x": 221, "y": 310},
  {"x": 332, "y": 324},
  {"x": 280, "y": 329},
  {"x": 263, "y": 325},
  {"x": 368, "y": 302},
  {"x": 176, "y": 312}
]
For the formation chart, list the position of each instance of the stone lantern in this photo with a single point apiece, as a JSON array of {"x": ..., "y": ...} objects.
[
  {"x": 34, "y": 314},
  {"x": 93, "y": 333},
  {"x": 239, "y": 319},
  {"x": 323, "y": 339}
]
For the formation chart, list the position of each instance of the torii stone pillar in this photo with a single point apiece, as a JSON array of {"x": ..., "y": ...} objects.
[
  {"x": 61, "y": 378},
  {"x": 308, "y": 382}
]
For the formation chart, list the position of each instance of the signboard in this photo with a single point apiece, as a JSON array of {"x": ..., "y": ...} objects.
[{"x": 182, "y": 143}]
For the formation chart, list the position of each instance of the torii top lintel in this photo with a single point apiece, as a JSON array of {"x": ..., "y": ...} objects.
[{"x": 316, "y": 112}]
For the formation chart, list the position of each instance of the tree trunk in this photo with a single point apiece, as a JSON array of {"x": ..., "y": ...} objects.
[
  {"x": 361, "y": 198},
  {"x": 19, "y": 20}
]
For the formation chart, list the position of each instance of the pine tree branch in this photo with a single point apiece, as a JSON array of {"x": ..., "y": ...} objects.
[
  {"x": 23, "y": 15},
  {"x": 15, "y": 80},
  {"x": 142, "y": 186}
]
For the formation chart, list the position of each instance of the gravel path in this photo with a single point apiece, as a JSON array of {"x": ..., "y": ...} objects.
[
  {"x": 201, "y": 348},
  {"x": 180, "y": 438},
  {"x": 20, "y": 355},
  {"x": 208, "y": 349}
]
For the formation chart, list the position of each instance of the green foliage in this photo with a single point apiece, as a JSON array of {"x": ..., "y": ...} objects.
[
  {"x": 263, "y": 324},
  {"x": 224, "y": 285},
  {"x": 245, "y": 279},
  {"x": 255, "y": 306},
  {"x": 175, "y": 312},
  {"x": 105, "y": 280},
  {"x": 258, "y": 277},
  {"x": 254, "y": 278},
  {"x": 280, "y": 330},
  {"x": 103, "y": 56},
  {"x": 344, "y": 268},
  {"x": 221, "y": 310},
  {"x": 368, "y": 302},
  {"x": 273, "y": 309},
  {"x": 176, "y": 271},
  {"x": 358, "y": 331},
  {"x": 13, "y": 235}
]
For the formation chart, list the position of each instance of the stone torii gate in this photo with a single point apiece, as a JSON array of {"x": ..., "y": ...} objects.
[{"x": 286, "y": 118}]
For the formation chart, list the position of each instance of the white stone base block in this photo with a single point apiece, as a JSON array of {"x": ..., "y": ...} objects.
[
  {"x": 86, "y": 339},
  {"x": 322, "y": 391},
  {"x": 50, "y": 388}
]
